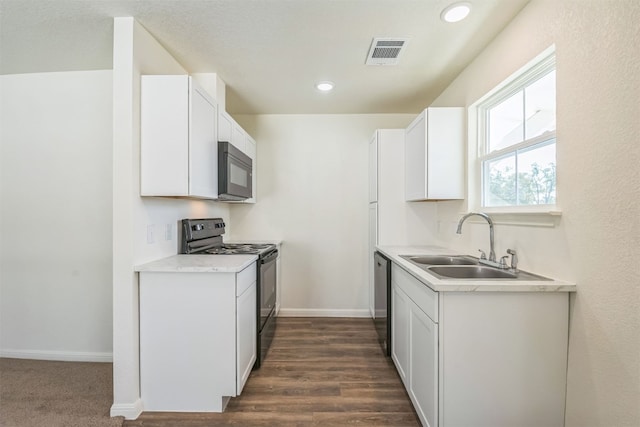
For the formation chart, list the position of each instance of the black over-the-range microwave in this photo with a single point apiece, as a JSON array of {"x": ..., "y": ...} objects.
[{"x": 235, "y": 170}]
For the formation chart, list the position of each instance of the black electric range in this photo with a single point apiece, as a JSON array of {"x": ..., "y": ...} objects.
[{"x": 204, "y": 237}]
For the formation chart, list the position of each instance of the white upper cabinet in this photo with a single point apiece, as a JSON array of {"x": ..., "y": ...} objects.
[
  {"x": 239, "y": 137},
  {"x": 434, "y": 155},
  {"x": 230, "y": 131},
  {"x": 225, "y": 125},
  {"x": 179, "y": 144}
]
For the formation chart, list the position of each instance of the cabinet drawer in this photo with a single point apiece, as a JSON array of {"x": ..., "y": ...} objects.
[
  {"x": 421, "y": 294},
  {"x": 246, "y": 278}
]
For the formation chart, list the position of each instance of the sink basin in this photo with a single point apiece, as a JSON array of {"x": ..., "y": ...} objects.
[
  {"x": 440, "y": 259},
  {"x": 480, "y": 272},
  {"x": 472, "y": 272},
  {"x": 447, "y": 267}
]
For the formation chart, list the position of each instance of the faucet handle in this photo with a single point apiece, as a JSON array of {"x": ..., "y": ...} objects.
[
  {"x": 483, "y": 255},
  {"x": 503, "y": 262},
  {"x": 514, "y": 259}
]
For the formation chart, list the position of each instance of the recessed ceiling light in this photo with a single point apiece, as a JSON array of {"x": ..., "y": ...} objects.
[
  {"x": 456, "y": 12},
  {"x": 325, "y": 86}
]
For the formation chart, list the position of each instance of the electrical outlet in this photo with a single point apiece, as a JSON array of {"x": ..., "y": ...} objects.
[
  {"x": 150, "y": 234},
  {"x": 168, "y": 232}
]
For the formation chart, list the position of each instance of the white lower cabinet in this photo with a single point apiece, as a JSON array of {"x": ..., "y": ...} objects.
[
  {"x": 246, "y": 342},
  {"x": 197, "y": 338},
  {"x": 423, "y": 365},
  {"x": 400, "y": 312},
  {"x": 414, "y": 350},
  {"x": 494, "y": 359}
]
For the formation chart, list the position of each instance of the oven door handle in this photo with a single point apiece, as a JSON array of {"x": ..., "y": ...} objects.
[{"x": 269, "y": 258}]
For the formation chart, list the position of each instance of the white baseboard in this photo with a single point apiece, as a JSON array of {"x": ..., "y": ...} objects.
[
  {"x": 322, "y": 312},
  {"x": 129, "y": 411},
  {"x": 63, "y": 356}
]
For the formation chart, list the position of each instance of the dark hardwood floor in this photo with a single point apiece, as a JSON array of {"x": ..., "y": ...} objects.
[{"x": 319, "y": 372}]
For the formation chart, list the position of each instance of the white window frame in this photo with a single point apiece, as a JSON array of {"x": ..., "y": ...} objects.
[{"x": 537, "y": 68}]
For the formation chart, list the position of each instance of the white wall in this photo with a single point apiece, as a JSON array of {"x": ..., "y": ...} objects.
[
  {"x": 136, "y": 52},
  {"x": 313, "y": 194},
  {"x": 596, "y": 243},
  {"x": 55, "y": 226}
]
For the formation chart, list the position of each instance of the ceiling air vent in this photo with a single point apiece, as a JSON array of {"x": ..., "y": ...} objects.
[{"x": 386, "y": 51}]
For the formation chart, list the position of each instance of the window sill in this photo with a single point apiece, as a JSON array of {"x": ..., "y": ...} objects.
[{"x": 526, "y": 216}]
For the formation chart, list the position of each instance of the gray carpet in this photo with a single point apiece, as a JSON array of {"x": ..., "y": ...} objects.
[{"x": 37, "y": 393}]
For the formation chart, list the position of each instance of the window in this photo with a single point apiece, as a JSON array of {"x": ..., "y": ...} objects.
[{"x": 517, "y": 140}]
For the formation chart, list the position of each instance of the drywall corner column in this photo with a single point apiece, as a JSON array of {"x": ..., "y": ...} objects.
[
  {"x": 135, "y": 52},
  {"x": 126, "y": 388}
]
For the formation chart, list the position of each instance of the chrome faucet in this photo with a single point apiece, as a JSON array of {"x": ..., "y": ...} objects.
[{"x": 492, "y": 252}]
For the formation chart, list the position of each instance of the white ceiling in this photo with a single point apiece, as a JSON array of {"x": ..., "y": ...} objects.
[{"x": 268, "y": 52}]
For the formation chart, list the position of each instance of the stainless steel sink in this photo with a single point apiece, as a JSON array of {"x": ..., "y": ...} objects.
[
  {"x": 422, "y": 260},
  {"x": 449, "y": 267},
  {"x": 472, "y": 272},
  {"x": 477, "y": 272}
]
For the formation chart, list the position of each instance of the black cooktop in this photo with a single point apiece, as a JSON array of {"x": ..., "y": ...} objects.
[
  {"x": 239, "y": 248},
  {"x": 204, "y": 236}
]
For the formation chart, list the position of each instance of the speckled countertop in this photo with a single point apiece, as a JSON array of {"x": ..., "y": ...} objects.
[
  {"x": 467, "y": 285},
  {"x": 204, "y": 263},
  {"x": 199, "y": 264}
]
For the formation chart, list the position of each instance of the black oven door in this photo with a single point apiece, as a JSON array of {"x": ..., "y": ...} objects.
[
  {"x": 267, "y": 288},
  {"x": 235, "y": 174}
]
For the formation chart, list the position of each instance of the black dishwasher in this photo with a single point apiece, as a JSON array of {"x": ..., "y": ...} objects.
[{"x": 382, "y": 300}]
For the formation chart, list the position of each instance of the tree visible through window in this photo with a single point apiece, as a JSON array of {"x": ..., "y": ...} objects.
[{"x": 518, "y": 140}]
